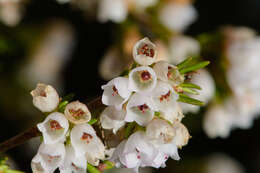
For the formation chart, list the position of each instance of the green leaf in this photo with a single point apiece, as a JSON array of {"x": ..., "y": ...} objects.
[
  {"x": 191, "y": 91},
  {"x": 62, "y": 106},
  {"x": 92, "y": 169},
  {"x": 190, "y": 85},
  {"x": 68, "y": 97},
  {"x": 129, "y": 129},
  {"x": 194, "y": 67},
  {"x": 186, "y": 62},
  {"x": 109, "y": 165},
  {"x": 92, "y": 121},
  {"x": 186, "y": 99}
]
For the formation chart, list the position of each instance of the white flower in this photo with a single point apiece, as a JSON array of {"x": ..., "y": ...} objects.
[
  {"x": 85, "y": 142},
  {"x": 236, "y": 34},
  {"x": 181, "y": 47},
  {"x": 177, "y": 17},
  {"x": 77, "y": 112},
  {"x": 54, "y": 128},
  {"x": 114, "y": 10},
  {"x": 116, "y": 92},
  {"x": 111, "y": 118},
  {"x": 217, "y": 122},
  {"x": 203, "y": 79},
  {"x": 45, "y": 97},
  {"x": 165, "y": 99},
  {"x": 144, "y": 52},
  {"x": 142, "y": 79},
  {"x": 72, "y": 163},
  {"x": 48, "y": 158},
  {"x": 168, "y": 73},
  {"x": 182, "y": 135},
  {"x": 220, "y": 163},
  {"x": 11, "y": 11},
  {"x": 140, "y": 108}
]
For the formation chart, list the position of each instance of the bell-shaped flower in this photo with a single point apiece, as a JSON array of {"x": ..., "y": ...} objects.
[
  {"x": 162, "y": 136},
  {"x": 140, "y": 108},
  {"x": 116, "y": 92},
  {"x": 54, "y": 128},
  {"x": 181, "y": 47},
  {"x": 177, "y": 16},
  {"x": 144, "y": 52},
  {"x": 77, "y": 112},
  {"x": 142, "y": 79},
  {"x": 111, "y": 118},
  {"x": 165, "y": 100},
  {"x": 168, "y": 73},
  {"x": 182, "y": 135},
  {"x": 114, "y": 10},
  {"x": 203, "y": 79},
  {"x": 72, "y": 163},
  {"x": 45, "y": 97},
  {"x": 85, "y": 142},
  {"x": 48, "y": 158}
]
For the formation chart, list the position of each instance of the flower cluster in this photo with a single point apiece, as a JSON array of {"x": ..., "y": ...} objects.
[
  {"x": 69, "y": 142},
  {"x": 143, "y": 102}
]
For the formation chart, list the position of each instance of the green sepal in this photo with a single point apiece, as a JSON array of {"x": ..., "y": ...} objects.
[
  {"x": 92, "y": 169},
  {"x": 92, "y": 121},
  {"x": 190, "y": 85},
  {"x": 62, "y": 106},
  {"x": 129, "y": 129},
  {"x": 68, "y": 97},
  {"x": 186, "y": 99},
  {"x": 194, "y": 67},
  {"x": 190, "y": 91}
]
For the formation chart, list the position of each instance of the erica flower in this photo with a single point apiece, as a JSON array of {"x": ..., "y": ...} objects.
[
  {"x": 177, "y": 16},
  {"x": 116, "y": 92},
  {"x": 111, "y": 118},
  {"x": 45, "y": 97},
  {"x": 164, "y": 97},
  {"x": 142, "y": 79},
  {"x": 181, "y": 47},
  {"x": 168, "y": 73},
  {"x": 77, "y": 112},
  {"x": 54, "y": 128},
  {"x": 85, "y": 142},
  {"x": 140, "y": 109},
  {"x": 48, "y": 158},
  {"x": 144, "y": 52},
  {"x": 72, "y": 163}
]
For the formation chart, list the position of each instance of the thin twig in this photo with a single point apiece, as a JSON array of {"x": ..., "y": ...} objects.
[{"x": 34, "y": 132}]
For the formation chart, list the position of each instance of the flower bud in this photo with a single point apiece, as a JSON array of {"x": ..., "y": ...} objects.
[
  {"x": 140, "y": 109},
  {"x": 142, "y": 79},
  {"x": 85, "y": 142},
  {"x": 45, "y": 97},
  {"x": 112, "y": 118},
  {"x": 182, "y": 135},
  {"x": 48, "y": 158},
  {"x": 168, "y": 73},
  {"x": 144, "y": 52},
  {"x": 72, "y": 163},
  {"x": 116, "y": 92},
  {"x": 77, "y": 112},
  {"x": 54, "y": 128}
]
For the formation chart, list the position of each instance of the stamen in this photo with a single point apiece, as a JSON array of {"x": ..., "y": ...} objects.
[
  {"x": 55, "y": 125},
  {"x": 143, "y": 108},
  {"x": 87, "y": 137},
  {"x": 165, "y": 97},
  {"x": 115, "y": 91},
  {"x": 50, "y": 158},
  {"x": 145, "y": 75},
  {"x": 74, "y": 166},
  {"x": 145, "y": 50},
  {"x": 43, "y": 94},
  {"x": 77, "y": 113}
]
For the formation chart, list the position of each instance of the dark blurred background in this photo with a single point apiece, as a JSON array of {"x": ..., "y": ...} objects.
[{"x": 81, "y": 76}]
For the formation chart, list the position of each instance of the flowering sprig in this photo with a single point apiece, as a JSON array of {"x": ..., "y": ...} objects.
[{"x": 143, "y": 103}]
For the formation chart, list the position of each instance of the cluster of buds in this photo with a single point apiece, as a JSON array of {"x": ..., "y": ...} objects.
[
  {"x": 143, "y": 103},
  {"x": 69, "y": 141}
]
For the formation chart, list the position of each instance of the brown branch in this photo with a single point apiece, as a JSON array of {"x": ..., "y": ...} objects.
[{"x": 34, "y": 132}]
